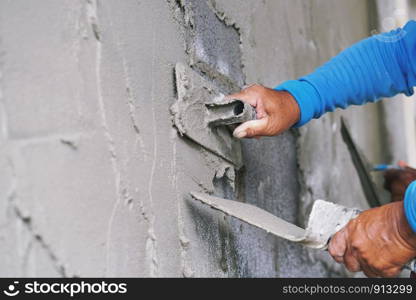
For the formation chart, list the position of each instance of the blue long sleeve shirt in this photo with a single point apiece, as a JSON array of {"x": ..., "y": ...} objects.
[{"x": 380, "y": 66}]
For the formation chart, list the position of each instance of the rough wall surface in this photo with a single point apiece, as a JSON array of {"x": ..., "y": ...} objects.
[{"x": 95, "y": 179}]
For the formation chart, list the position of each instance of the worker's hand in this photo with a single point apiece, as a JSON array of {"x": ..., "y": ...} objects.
[
  {"x": 378, "y": 242},
  {"x": 397, "y": 180},
  {"x": 277, "y": 111}
]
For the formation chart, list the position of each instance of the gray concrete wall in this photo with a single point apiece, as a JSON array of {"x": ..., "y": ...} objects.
[{"x": 94, "y": 177}]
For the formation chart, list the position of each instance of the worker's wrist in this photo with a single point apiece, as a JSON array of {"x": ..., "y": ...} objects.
[
  {"x": 410, "y": 205},
  {"x": 306, "y": 97},
  {"x": 293, "y": 108}
]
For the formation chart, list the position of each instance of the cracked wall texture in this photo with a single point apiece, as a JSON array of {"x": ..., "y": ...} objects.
[{"x": 95, "y": 178}]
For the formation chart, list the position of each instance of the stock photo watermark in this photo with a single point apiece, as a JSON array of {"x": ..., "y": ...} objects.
[{"x": 64, "y": 288}]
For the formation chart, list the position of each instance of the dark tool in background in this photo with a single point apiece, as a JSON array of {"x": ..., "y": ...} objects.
[{"x": 362, "y": 166}]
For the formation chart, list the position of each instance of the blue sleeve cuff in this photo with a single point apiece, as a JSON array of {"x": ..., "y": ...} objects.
[
  {"x": 305, "y": 95},
  {"x": 410, "y": 205}
]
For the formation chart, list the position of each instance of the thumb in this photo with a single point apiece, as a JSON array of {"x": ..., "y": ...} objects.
[{"x": 251, "y": 128}]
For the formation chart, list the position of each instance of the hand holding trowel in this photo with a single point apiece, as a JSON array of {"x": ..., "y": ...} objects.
[
  {"x": 325, "y": 220},
  {"x": 205, "y": 116}
]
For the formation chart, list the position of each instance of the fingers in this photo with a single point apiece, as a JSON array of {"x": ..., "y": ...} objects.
[
  {"x": 370, "y": 273},
  {"x": 402, "y": 164},
  {"x": 373, "y": 272},
  {"x": 251, "y": 98},
  {"x": 367, "y": 269},
  {"x": 255, "y": 127},
  {"x": 249, "y": 85},
  {"x": 276, "y": 111},
  {"x": 391, "y": 273},
  {"x": 372, "y": 242},
  {"x": 338, "y": 246},
  {"x": 342, "y": 253},
  {"x": 250, "y": 94},
  {"x": 244, "y": 96},
  {"x": 260, "y": 110},
  {"x": 251, "y": 129},
  {"x": 350, "y": 261}
]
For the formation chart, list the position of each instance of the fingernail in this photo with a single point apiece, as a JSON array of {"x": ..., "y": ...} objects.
[{"x": 240, "y": 134}]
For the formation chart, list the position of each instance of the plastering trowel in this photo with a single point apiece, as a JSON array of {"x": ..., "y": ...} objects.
[
  {"x": 205, "y": 116},
  {"x": 325, "y": 220}
]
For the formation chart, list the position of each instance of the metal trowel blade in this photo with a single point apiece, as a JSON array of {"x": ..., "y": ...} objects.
[
  {"x": 255, "y": 216},
  {"x": 325, "y": 220}
]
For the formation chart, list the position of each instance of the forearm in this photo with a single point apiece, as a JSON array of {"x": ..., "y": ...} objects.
[{"x": 376, "y": 67}]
